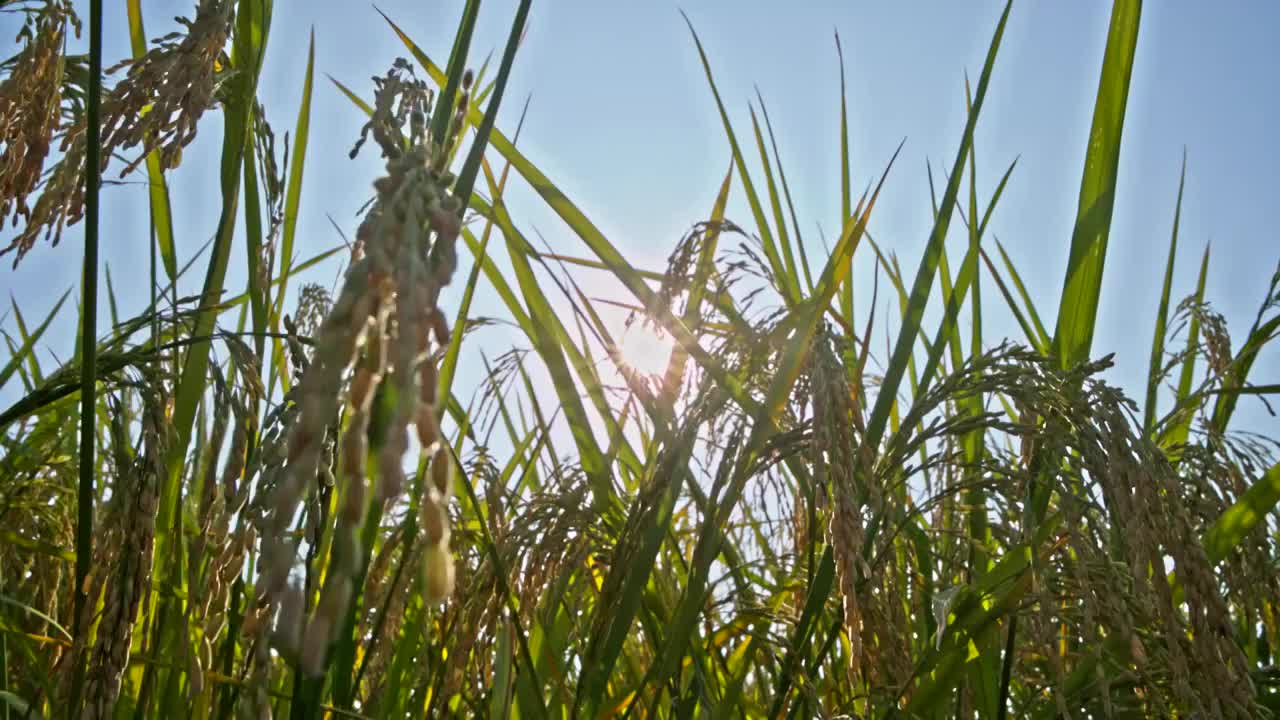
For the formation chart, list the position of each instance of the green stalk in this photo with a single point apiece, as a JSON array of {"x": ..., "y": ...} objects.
[{"x": 88, "y": 344}]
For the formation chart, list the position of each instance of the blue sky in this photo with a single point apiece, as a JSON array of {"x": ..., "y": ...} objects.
[{"x": 622, "y": 119}]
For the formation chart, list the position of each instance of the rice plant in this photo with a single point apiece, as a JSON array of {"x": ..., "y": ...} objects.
[{"x": 283, "y": 503}]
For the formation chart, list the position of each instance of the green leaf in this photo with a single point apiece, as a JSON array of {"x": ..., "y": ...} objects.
[
  {"x": 500, "y": 699},
  {"x": 6, "y": 600},
  {"x": 366, "y": 107},
  {"x": 542, "y": 321},
  {"x": 33, "y": 545},
  {"x": 1179, "y": 428},
  {"x": 15, "y": 703},
  {"x": 786, "y": 192},
  {"x": 921, "y": 288},
  {"x": 815, "y": 600},
  {"x": 846, "y": 209},
  {"x": 790, "y": 288},
  {"x": 775, "y": 203},
  {"x": 1078, "y": 309},
  {"x": 27, "y": 350},
  {"x": 1260, "y": 334},
  {"x": 258, "y": 300},
  {"x": 470, "y": 167},
  {"x": 1039, "y": 342},
  {"x": 157, "y": 183},
  {"x": 1242, "y": 517},
  {"x": 647, "y": 528},
  {"x": 977, "y": 610},
  {"x": 292, "y": 200},
  {"x": 966, "y": 277},
  {"x": 252, "y": 21},
  {"x": 1041, "y": 333},
  {"x": 250, "y": 33},
  {"x": 449, "y": 365},
  {"x": 457, "y": 64},
  {"x": 1162, "y": 312}
]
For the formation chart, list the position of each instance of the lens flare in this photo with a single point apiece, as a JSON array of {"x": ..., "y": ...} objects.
[{"x": 645, "y": 350}]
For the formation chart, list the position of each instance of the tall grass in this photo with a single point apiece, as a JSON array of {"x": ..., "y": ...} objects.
[{"x": 285, "y": 505}]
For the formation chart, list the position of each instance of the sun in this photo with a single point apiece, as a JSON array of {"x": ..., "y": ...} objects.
[{"x": 645, "y": 349}]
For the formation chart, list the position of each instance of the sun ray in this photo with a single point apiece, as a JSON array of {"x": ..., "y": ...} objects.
[{"x": 645, "y": 349}]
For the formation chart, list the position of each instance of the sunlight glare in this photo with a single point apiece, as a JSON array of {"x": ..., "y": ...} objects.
[{"x": 645, "y": 349}]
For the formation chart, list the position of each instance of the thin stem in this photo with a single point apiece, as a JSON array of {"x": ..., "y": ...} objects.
[{"x": 88, "y": 348}]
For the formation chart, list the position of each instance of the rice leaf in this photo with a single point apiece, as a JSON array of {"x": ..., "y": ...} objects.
[
  {"x": 292, "y": 201},
  {"x": 26, "y": 351},
  {"x": 1162, "y": 312},
  {"x": 157, "y": 184},
  {"x": 1241, "y": 518},
  {"x": 1078, "y": 309}
]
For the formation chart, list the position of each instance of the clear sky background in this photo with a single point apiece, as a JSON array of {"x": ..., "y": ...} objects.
[{"x": 621, "y": 118}]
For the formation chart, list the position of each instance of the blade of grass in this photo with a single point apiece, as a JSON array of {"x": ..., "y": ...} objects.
[
  {"x": 471, "y": 166},
  {"x": 1262, "y": 332},
  {"x": 29, "y": 340},
  {"x": 242, "y": 298},
  {"x": 791, "y": 289},
  {"x": 977, "y": 611},
  {"x": 988, "y": 694},
  {"x": 846, "y": 292},
  {"x": 252, "y": 22},
  {"x": 157, "y": 185},
  {"x": 588, "y": 232},
  {"x": 258, "y": 300},
  {"x": 697, "y": 292},
  {"x": 899, "y": 360},
  {"x": 250, "y": 37},
  {"x": 1241, "y": 518},
  {"x": 33, "y": 360},
  {"x": 500, "y": 699},
  {"x": 711, "y": 535},
  {"x": 1033, "y": 339},
  {"x": 1176, "y": 434},
  {"x": 648, "y": 532},
  {"x": 366, "y": 107},
  {"x": 1162, "y": 312},
  {"x": 292, "y": 200},
  {"x": 815, "y": 600},
  {"x": 775, "y": 201},
  {"x": 457, "y": 64},
  {"x": 920, "y": 289},
  {"x": 786, "y": 192},
  {"x": 1026, "y": 297},
  {"x": 1078, "y": 308},
  {"x": 966, "y": 277},
  {"x": 544, "y": 341},
  {"x": 449, "y": 365},
  {"x": 113, "y": 308}
]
